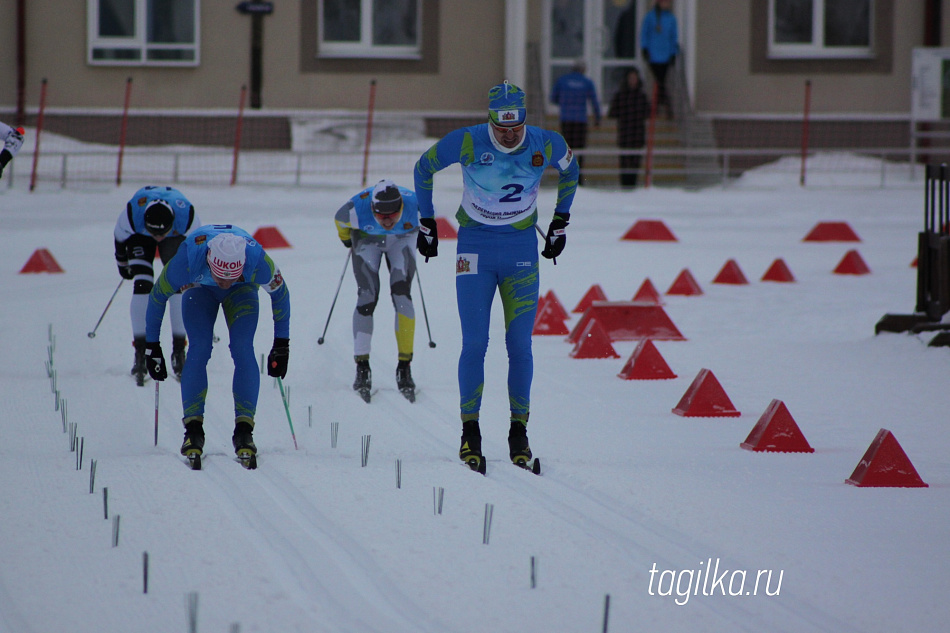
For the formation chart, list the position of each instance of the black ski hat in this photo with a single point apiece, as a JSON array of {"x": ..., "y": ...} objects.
[
  {"x": 159, "y": 218},
  {"x": 386, "y": 198}
]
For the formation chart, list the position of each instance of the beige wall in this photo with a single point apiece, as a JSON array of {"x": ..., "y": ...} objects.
[
  {"x": 468, "y": 64},
  {"x": 727, "y": 79}
]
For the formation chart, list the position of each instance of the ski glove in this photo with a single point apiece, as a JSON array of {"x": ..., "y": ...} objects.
[
  {"x": 155, "y": 361},
  {"x": 278, "y": 357},
  {"x": 556, "y": 238},
  {"x": 347, "y": 243},
  {"x": 5, "y": 157},
  {"x": 428, "y": 239},
  {"x": 125, "y": 271}
]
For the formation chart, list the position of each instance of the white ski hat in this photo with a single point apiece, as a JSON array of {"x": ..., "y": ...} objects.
[{"x": 226, "y": 255}]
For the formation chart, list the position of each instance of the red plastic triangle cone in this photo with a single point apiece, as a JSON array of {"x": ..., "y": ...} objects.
[
  {"x": 445, "y": 229},
  {"x": 649, "y": 230},
  {"x": 885, "y": 465},
  {"x": 647, "y": 293},
  {"x": 41, "y": 261},
  {"x": 705, "y": 398},
  {"x": 594, "y": 343},
  {"x": 628, "y": 321},
  {"x": 730, "y": 274},
  {"x": 556, "y": 305},
  {"x": 547, "y": 321},
  {"x": 831, "y": 232},
  {"x": 646, "y": 363},
  {"x": 595, "y": 293},
  {"x": 777, "y": 432},
  {"x": 685, "y": 284},
  {"x": 778, "y": 271},
  {"x": 852, "y": 264},
  {"x": 271, "y": 237}
]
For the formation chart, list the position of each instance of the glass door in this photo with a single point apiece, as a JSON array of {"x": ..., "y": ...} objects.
[{"x": 603, "y": 34}]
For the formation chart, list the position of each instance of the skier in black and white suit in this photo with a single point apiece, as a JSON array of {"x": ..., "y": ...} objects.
[
  {"x": 12, "y": 140},
  {"x": 155, "y": 217}
]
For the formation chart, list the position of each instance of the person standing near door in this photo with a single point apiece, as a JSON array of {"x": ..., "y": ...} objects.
[
  {"x": 659, "y": 40},
  {"x": 630, "y": 107},
  {"x": 571, "y": 93}
]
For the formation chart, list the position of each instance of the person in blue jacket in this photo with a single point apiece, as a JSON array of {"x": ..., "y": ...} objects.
[
  {"x": 154, "y": 218},
  {"x": 572, "y": 92},
  {"x": 382, "y": 220},
  {"x": 502, "y": 163},
  {"x": 220, "y": 267},
  {"x": 659, "y": 39}
]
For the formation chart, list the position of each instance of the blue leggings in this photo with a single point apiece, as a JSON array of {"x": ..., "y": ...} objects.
[
  {"x": 199, "y": 310},
  {"x": 487, "y": 260}
]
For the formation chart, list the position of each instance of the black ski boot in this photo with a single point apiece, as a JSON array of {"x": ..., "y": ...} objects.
[
  {"x": 518, "y": 449},
  {"x": 243, "y": 442},
  {"x": 138, "y": 366},
  {"x": 194, "y": 442},
  {"x": 404, "y": 381},
  {"x": 470, "y": 451},
  {"x": 364, "y": 379},
  {"x": 178, "y": 355}
]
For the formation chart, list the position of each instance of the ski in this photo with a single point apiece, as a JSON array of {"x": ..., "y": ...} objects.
[
  {"x": 247, "y": 459},
  {"x": 194, "y": 461},
  {"x": 140, "y": 379},
  {"x": 367, "y": 394},
  {"x": 408, "y": 393},
  {"x": 478, "y": 464},
  {"x": 533, "y": 466}
]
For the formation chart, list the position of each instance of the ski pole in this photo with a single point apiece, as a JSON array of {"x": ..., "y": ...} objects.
[
  {"x": 346, "y": 264},
  {"x": 93, "y": 333},
  {"x": 545, "y": 238},
  {"x": 156, "y": 412},
  {"x": 280, "y": 383},
  {"x": 426, "y": 314}
]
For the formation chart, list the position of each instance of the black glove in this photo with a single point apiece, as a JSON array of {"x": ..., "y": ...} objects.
[
  {"x": 556, "y": 238},
  {"x": 155, "y": 361},
  {"x": 428, "y": 239},
  {"x": 347, "y": 243},
  {"x": 278, "y": 357},
  {"x": 125, "y": 271},
  {"x": 5, "y": 157}
]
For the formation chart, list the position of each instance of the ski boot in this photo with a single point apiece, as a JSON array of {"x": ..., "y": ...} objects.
[
  {"x": 178, "y": 355},
  {"x": 404, "y": 381},
  {"x": 243, "y": 442},
  {"x": 194, "y": 442},
  {"x": 518, "y": 449},
  {"x": 470, "y": 451},
  {"x": 138, "y": 367},
  {"x": 364, "y": 379}
]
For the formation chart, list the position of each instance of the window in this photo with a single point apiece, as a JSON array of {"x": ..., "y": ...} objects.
[
  {"x": 370, "y": 29},
  {"x": 821, "y": 29},
  {"x": 143, "y": 32}
]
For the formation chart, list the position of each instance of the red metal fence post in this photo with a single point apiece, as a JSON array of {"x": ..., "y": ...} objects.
[{"x": 39, "y": 130}]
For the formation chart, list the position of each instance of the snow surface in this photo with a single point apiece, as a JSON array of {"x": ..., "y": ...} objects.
[{"x": 313, "y": 541}]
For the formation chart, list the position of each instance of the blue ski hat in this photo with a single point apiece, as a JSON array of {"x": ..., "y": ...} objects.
[{"x": 506, "y": 105}]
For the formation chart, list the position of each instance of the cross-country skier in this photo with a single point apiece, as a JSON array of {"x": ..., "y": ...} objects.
[
  {"x": 220, "y": 266},
  {"x": 502, "y": 163},
  {"x": 12, "y": 140},
  {"x": 382, "y": 220},
  {"x": 155, "y": 217}
]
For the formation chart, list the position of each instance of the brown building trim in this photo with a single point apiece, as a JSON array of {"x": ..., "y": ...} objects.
[
  {"x": 310, "y": 63},
  {"x": 882, "y": 62}
]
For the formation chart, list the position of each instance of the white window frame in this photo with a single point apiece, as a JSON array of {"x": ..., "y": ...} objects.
[
  {"x": 137, "y": 41},
  {"x": 816, "y": 49},
  {"x": 365, "y": 49}
]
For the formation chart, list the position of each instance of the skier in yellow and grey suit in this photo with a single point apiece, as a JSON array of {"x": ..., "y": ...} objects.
[{"x": 382, "y": 220}]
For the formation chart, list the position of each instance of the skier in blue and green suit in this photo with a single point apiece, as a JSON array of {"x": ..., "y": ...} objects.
[
  {"x": 220, "y": 266},
  {"x": 502, "y": 163}
]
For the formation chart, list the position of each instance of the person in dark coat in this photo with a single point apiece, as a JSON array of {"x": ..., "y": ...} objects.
[{"x": 630, "y": 107}]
